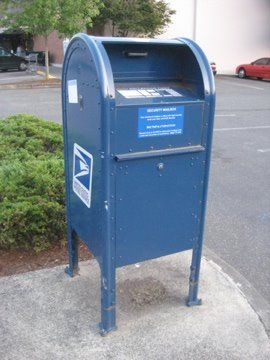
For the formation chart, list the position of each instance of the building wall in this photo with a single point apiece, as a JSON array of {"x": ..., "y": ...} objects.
[
  {"x": 55, "y": 47},
  {"x": 230, "y": 32}
]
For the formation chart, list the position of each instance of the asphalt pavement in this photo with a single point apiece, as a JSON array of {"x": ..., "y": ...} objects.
[
  {"x": 238, "y": 216},
  {"x": 238, "y": 221},
  {"x": 45, "y": 103}
]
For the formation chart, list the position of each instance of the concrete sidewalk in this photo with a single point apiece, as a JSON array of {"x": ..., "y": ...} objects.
[{"x": 47, "y": 315}]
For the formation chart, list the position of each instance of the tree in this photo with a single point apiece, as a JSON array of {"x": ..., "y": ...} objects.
[
  {"x": 41, "y": 17},
  {"x": 135, "y": 17}
]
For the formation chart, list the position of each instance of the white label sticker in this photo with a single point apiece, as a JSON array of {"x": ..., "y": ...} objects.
[
  {"x": 130, "y": 93},
  {"x": 72, "y": 91},
  {"x": 148, "y": 93},
  {"x": 82, "y": 174}
]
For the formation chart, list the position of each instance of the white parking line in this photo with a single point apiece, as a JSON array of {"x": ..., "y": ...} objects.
[
  {"x": 263, "y": 150},
  {"x": 244, "y": 128},
  {"x": 243, "y": 85},
  {"x": 225, "y": 115}
]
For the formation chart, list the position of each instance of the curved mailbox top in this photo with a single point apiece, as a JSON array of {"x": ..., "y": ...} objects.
[{"x": 127, "y": 60}]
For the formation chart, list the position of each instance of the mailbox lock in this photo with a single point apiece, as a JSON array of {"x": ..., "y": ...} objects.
[
  {"x": 160, "y": 166},
  {"x": 81, "y": 102}
]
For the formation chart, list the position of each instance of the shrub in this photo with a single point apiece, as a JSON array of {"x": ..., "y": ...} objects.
[
  {"x": 25, "y": 136},
  {"x": 32, "y": 205}
]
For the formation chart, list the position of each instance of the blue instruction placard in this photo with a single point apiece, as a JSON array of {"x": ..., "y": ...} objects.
[{"x": 160, "y": 121}]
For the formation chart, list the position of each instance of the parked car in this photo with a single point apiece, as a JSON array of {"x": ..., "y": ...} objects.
[
  {"x": 214, "y": 68},
  {"x": 259, "y": 69},
  {"x": 11, "y": 61}
]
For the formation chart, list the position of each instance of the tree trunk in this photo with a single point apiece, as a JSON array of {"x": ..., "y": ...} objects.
[
  {"x": 47, "y": 69},
  {"x": 96, "y": 30}
]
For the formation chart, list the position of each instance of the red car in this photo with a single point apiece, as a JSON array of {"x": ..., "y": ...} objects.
[
  {"x": 214, "y": 68},
  {"x": 259, "y": 69}
]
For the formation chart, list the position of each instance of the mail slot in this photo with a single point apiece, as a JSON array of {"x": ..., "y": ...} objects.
[{"x": 137, "y": 122}]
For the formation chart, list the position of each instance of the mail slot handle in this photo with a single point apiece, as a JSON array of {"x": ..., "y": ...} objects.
[
  {"x": 163, "y": 152},
  {"x": 133, "y": 54}
]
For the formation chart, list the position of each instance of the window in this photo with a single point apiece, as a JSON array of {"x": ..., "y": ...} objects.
[
  {"x": 3, "y": 52},
  {"x": 263, "y": 61}
]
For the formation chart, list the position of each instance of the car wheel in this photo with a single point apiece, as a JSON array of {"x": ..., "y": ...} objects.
[
  {"x": 241, "y": 73},
  {"x": 259, "y": 78},
  {"x": 22, "y": 66}
]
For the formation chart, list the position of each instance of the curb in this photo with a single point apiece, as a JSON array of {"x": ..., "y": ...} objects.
[
  {"x": 42, "y": 73},
  {"x": 29, "y": 86},
  {"x": 257, "y": 302}
]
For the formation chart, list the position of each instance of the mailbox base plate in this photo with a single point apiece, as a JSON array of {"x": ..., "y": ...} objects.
[
  {"x": 194, "y": 302},
  {"x": 105, "y": 332},
  {"x": 71, "y": 272}
]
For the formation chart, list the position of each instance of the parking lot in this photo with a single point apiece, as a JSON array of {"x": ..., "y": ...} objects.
[{"x": 238, "y": 221}]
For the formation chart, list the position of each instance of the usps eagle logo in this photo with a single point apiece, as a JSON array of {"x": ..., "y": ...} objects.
[{"x": 82, "y": 174}]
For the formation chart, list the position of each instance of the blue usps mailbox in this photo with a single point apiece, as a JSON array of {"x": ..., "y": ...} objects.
[{"x": 138, "y": 121}]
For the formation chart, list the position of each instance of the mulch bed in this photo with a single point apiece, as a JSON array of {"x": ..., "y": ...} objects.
[{"x": 18, "y": 261}]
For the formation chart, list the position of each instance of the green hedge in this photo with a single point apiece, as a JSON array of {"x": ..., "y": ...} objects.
[{"x": 32, "y": 203}]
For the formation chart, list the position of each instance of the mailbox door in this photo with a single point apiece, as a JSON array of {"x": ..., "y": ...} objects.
[{"x": 158, "y": 206}]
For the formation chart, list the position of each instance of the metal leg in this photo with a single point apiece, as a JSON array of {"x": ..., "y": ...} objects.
[
  {"x": 108, "y": 318},
  {"x": 194, "y": 275},
  {"x": 73, "y": 268}
]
